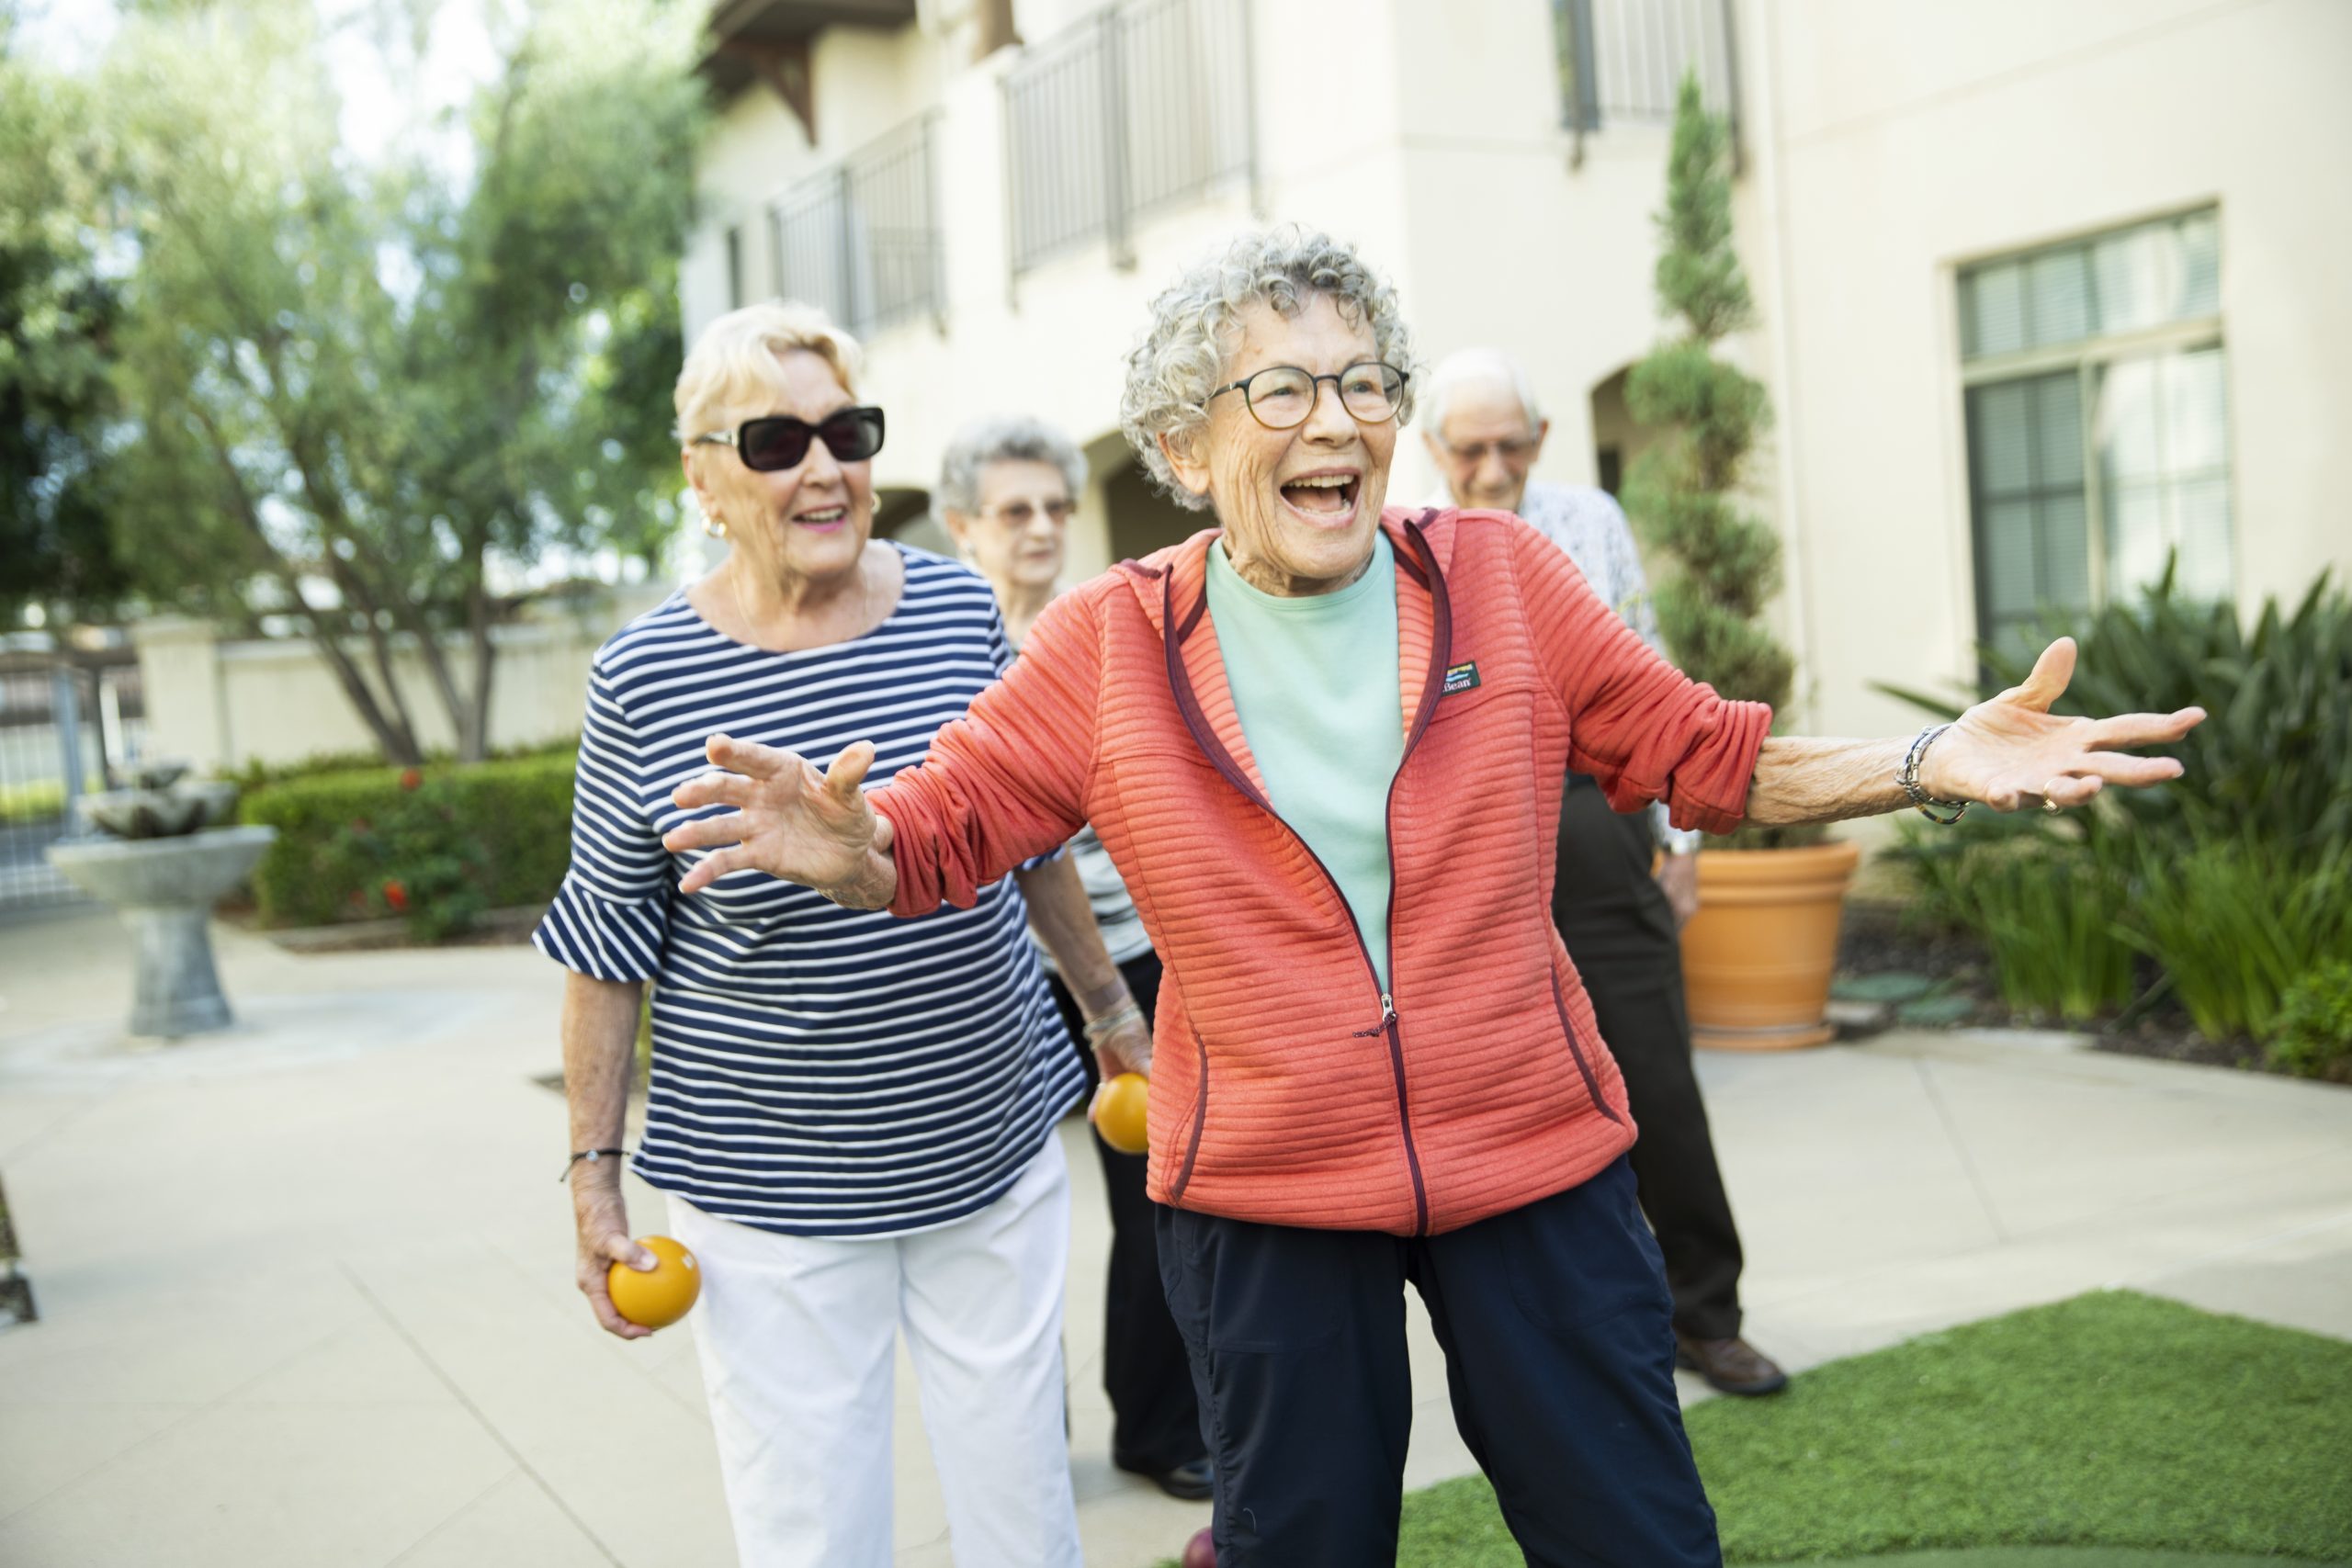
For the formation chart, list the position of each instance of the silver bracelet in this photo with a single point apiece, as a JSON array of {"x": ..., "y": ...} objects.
[
  {"x": 1908, "y": 777},
  {"x": 1110, "y": 1023}
]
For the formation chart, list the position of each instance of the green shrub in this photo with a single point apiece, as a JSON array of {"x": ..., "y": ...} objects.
[
  {"x": 42, "y": 802},
  {"x": 2043, "y": 905},
  {"x": 2272, "y": 760},
  {"x": 484, "y": 835},
  {"x": 2313, "y": 1034},
  {"x": 2237, "y": 923},
  {"x": 2237, "y": 879},
  {"x": 259, "y": 775}
]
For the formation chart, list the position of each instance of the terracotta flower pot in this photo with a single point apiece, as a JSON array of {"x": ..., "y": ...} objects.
[{"x": 1757, "y": 957}]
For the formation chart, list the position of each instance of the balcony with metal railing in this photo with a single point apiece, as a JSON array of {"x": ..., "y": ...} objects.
[
  {"x": 1141, "y": 105},
  {"x": 1624, "y": 60},
  {"x": 863, "y": 237}
]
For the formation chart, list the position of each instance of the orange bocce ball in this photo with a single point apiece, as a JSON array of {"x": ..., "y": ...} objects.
[
  {"x": 660, "y": 1296},
  {"x": 1120, "y": 1114}
]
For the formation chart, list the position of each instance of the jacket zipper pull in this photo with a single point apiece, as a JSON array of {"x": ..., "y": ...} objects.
[{"x": 1387, "y": 1016}]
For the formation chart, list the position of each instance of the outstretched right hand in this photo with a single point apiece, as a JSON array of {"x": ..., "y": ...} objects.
[{"x": 790, "y": 820}]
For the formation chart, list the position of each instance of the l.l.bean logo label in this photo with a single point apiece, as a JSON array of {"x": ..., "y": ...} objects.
[{"x": 1460, "y": 678}]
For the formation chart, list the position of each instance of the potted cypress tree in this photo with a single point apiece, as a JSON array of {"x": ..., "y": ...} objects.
[{"x": 1756, "y": 958}]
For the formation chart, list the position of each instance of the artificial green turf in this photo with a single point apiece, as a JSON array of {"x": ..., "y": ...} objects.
[{"x": 2113, "y": 1420}]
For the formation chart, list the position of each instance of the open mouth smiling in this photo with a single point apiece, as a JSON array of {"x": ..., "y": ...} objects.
[{"x": 1324, "y": 497}]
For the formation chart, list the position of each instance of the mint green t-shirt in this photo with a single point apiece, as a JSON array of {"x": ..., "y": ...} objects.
[{"x": 1315, "y": 683}]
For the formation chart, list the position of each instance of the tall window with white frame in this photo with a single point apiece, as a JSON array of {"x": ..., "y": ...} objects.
[{"x": 2097, "y": 421}]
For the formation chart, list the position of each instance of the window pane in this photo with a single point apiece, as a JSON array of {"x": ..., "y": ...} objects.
[
  {"x": 2129, "y": 437},
  {"x": 2164, "y": 458},
  {"x": 2031, "y": 512},
  {"x": 2058, "y": 432},
  {"x": 2135, "y": 272},
  {"x": 1995, "y": 314},
  {"x": 2058, "y": 292},
  {"x": 2064, "y": 527},
  {"x": 2009, "y": 555},
  {"x": 2201, "y": 513},
  {"x": 2201, "y": 254},
  {"x": 2195, "y": 412},
  {"x": 2003, "y": 438},
  {"x": 2136, "y": 537}
]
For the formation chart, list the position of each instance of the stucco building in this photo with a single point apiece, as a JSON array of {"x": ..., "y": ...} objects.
[{"x": 2046, "y": 291}]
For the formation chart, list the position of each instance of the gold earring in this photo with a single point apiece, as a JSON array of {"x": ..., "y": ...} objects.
[{"x": 714, "y": 524}]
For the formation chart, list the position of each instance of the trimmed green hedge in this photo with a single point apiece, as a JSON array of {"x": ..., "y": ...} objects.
[{"x": 349, "y": 844}]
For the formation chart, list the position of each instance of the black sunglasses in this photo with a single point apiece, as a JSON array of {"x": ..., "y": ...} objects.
[{"x": 776, "y": 442}]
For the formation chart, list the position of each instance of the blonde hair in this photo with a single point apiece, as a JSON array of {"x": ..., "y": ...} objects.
[{"x": 734, "y": 360}]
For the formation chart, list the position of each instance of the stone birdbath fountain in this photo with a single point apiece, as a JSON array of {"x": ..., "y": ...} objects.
[{"x": 162, "y": 861}]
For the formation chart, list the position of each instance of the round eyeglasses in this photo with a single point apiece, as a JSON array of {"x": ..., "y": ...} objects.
[{"x": 1280, "y": 397}]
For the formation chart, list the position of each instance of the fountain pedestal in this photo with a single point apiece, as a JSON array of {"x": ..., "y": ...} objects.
[{"x": 164, "y": 890}]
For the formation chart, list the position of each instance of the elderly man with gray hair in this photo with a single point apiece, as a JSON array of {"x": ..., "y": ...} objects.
[{"x": 1620, "y": 921}]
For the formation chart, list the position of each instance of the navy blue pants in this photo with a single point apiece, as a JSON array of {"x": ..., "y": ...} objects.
[{"x": 1556, "y": 1323}]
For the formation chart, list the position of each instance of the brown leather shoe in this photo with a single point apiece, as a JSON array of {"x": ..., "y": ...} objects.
[{"x": 1730, "y": 1366}]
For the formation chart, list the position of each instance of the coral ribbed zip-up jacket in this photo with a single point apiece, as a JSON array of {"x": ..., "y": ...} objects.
[{"x": 1287, "y": 1089}]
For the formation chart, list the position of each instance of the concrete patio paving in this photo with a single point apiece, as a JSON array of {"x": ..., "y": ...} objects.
[{"x": 305, "y": 1298}]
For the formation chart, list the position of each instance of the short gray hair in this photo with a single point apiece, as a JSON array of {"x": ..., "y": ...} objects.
[
  {"x": 1479, "y": 367},
  {"x": 1003, "y": 438},
  {"x": 1181, "y": 357}
]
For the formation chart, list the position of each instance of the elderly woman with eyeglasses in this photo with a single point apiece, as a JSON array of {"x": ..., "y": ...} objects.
[
  {"x": 852, "y": 1116},
  {"x": 1325, "y": 743}
]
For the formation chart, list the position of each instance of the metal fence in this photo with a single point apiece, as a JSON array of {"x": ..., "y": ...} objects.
[
  {"x": 58, "y": 727},
  {"x": 862, "y": 239},
  {"x": 1624, "y": 60},
  {"x": 1143, "y": 104}
]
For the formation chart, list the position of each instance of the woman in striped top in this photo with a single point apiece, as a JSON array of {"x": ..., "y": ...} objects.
[{"x": 852, "y": 1115}]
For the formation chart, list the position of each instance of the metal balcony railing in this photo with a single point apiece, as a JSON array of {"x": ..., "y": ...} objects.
[
  {"x": 862, "y": 239},
  {"x": 1623, "y": 60},
  {"x": 1143, "y": 104}
]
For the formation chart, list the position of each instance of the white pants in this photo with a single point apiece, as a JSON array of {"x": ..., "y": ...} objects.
[{"x": 798, "y": 1341}]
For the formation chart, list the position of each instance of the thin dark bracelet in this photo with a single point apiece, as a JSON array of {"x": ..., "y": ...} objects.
[{"x": 592, "y": 1157}]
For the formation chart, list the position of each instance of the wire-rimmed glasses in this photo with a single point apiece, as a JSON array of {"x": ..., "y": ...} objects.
[{"x": 1280, "y": 397}]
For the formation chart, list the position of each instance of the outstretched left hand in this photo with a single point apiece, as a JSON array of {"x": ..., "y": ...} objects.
[{"x": 2011, "y": 750}]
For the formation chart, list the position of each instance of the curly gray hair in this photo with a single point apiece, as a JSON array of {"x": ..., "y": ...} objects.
[
  {"x": 1003, "y": 438},
  {"x": 1181, "y": 357}
]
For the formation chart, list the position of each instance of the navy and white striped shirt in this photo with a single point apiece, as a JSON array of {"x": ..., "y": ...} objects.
[{"x": 816, "y": 1070}]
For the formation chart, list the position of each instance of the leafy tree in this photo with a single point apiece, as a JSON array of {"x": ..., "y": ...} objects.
[
  {"x": 366, "y": 389},
  {"x": 1682, "y": 490},
  {"x": 57, "y": 312},
  {"x": 1683, "y": 493}
]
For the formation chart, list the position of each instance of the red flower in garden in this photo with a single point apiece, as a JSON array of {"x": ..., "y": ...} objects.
[
  {"x": 396, "y": 896},
  {"x": 411, "y": 778}
]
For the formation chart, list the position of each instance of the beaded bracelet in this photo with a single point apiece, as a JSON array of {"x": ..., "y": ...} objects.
[{"x": 1908, "y": 777}]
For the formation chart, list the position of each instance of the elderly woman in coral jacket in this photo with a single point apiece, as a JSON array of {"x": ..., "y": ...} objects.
[{"x": 1325, "y": 744}]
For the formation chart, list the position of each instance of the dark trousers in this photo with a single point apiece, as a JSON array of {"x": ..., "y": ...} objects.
[
  {"x": 1554, "y": 1319},
  {"x": 1620, "y": 930},
  {"x": 1156, "y": 1423}
]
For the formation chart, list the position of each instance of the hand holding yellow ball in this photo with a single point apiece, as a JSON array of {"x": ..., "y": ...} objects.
[
  {"x": 659, "y": 1296},
  {"x": 1120, "y": 1112}
]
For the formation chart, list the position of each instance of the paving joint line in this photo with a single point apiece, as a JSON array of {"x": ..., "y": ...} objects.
[
  {"x": 1959, "y": 1148},
  {"x": 467, "y": 1506},
  {"x": 480, "y": 1417}
]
